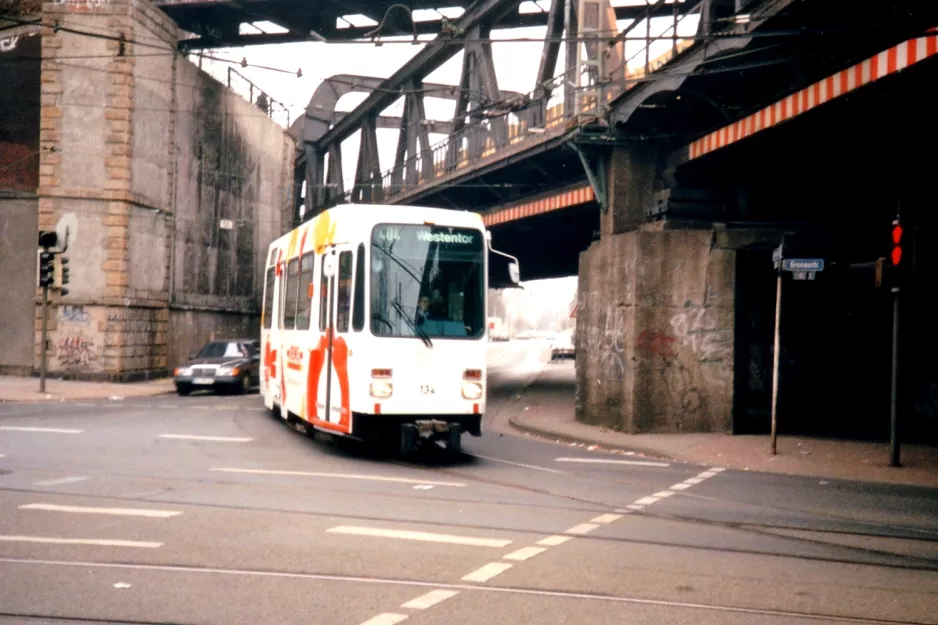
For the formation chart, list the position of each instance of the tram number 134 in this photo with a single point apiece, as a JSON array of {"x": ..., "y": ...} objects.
[{"x": 426, "y": 389}]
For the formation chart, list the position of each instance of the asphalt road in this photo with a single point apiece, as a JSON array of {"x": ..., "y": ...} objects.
[{"x": 206, "y": 510}]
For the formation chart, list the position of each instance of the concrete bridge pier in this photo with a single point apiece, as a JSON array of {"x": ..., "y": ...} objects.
[{"x": 657, "y": 305}]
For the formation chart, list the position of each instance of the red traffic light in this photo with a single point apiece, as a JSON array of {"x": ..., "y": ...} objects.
[{"x": 896, "y": 254}]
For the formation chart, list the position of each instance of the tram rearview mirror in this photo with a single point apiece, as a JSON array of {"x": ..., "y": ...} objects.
[
  {"x": 328, "y": 268},
  {"x": 513, "y": 272}
]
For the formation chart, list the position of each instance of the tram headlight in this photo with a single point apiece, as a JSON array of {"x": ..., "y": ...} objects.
[
  {"x": 381, "y": 389},
  {"x": 471, "y": 390}
]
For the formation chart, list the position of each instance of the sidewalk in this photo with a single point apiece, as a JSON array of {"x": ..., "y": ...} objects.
[
  {"x": 14, "y": 389},
  {"x": 546, "y": 409}
]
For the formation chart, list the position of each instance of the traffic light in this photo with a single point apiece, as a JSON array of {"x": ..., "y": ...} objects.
[
  {"x": 63, "y": 274},
  {"x": 895, "y": 255},
  {"x": 46, "y": 259}
]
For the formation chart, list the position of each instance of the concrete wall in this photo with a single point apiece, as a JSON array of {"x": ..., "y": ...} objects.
[
  {"x": 150, "y": 154},
  {"x": 18, "y": 279},
  {"x": 655, "y": 321}
]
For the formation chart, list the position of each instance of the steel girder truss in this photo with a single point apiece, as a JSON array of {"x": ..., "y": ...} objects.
[{"x": 486, "y": 119}]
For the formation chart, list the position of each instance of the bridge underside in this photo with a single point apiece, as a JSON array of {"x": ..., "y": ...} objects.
[
  {"x": 549, "y": 244},
  {"x": 697, "y": 352}
]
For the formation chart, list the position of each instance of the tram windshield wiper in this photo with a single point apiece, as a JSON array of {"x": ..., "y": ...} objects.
[{"x": 420, "y": 332}]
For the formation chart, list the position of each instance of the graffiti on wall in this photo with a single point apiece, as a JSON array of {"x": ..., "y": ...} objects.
[
  {"x": 693, "y": 360},
  {"x": 607, "y": 338},
  {"x": 8, "y": 44},
  {"x": 76, "y": 345}
]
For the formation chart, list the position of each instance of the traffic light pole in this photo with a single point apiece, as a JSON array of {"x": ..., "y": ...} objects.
[
  {"x": 894, "y": 395},
  {"x": 43, "y": 338}
]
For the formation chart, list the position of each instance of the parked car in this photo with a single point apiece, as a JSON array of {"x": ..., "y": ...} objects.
[
  {"x": 562, "y": 346},
  {"x": 227, "y": 365}
]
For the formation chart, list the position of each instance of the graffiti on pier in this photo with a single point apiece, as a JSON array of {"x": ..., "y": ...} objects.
[{"x": 76, "y": 350}]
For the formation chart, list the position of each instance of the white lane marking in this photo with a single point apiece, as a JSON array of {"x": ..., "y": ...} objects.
[
  {"x": 116, "y": 511},
  {"x": 553, "y": 541},
  {"x": 487, "y": 572},
  {"x": 59, "y": 482},
  {"x": 519, "y": 464},
  {"x": 639, "y": 463},
  {"x": 346, "y": 476},
  {"x": 645, "y": 501},
  {"x": 582, "y": 528},
  {"x": 193, "y": 437},
  {"x": 718, "y": 469},
  {"x": 386, "y": 618},
  {"x": 681, "y": 486},
  {"x": 635, "y": 506},
  {"x": 430, "y": 599},
  {"x": 423, "y": 487},
  {"x": 606, "y": 518},
  {"x": 80, "y": 541},
  {"x": 706, "y": 474},
  {"x": 525, "y": 553},
  {"x": 663, "y": 494},
  {"x": 11, "y": 428},
  {"x": 3, "y": 456},
  {"x": 694, "y": 480},
  {"x": 190, "y": 570},
  {"x": 424, "y": 536}
]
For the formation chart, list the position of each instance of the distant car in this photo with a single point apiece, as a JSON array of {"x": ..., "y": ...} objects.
[
  {"x": 232, "y": 365},
  {"x": 562, "y": 346}
]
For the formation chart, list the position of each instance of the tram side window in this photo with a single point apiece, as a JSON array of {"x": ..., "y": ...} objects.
[
  {"x": 323, "y": 296},
  {"x": 305, "y": 304},
  {"x": 358, "y": 304},
  {"x": 268, "y": 311},
  {"x": 344, "y": 292},
  {"x": 289, "y": 300}
]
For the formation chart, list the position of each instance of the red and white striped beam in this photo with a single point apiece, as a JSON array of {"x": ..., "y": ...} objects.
[
  {"x": 887, "y": 62},
  {"x": 571, "y": 197}
]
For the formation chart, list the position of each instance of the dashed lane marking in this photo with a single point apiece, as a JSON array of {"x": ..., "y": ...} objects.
[
  {"x": 487, "y": 572},
  {"x": 525, "y": 553},
  {"x": 553, "y": 541},
  {"x": 421, "y": 536},
  {"x": 11, "y": 428},
  {"x": 386, "y": 618},
  {"x": 345, "y": 476},
  {"x": 582, "y": 528},
  {"x": 490, "y": 570},
  {"x": 193, "y": 437},
  {"x": 429, "y": 600},
  {"x": 81, "y": 541},
  {"x": 161, "y": 514},
  {"x": 637, "y": 463},
  {"x": 61, "y": 481}
]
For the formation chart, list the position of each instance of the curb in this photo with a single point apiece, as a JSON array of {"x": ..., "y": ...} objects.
[
  {"x": 544, "y": 432},
  {"x": 61, "y": 400}
]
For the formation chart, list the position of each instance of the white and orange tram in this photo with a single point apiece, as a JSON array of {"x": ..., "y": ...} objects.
[{"x": 374, "y": 327}]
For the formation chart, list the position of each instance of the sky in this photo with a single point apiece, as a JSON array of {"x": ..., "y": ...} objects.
[{"x": 516, "y": 66}]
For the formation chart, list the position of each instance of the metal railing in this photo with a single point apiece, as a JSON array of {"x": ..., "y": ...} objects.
[
  {"x": 258, "y": 97},
  {"x": 508, "y": 127}
]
